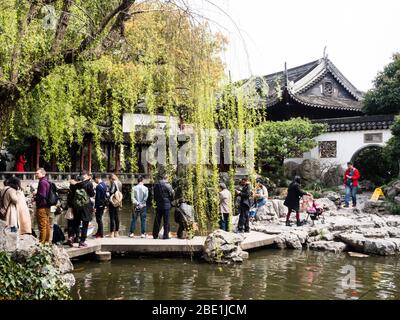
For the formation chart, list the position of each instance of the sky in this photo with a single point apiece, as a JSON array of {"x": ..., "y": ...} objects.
[{"x": 360, "y": 36}]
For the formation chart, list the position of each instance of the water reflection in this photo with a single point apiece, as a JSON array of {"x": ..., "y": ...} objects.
[{"x": 269, "y": 274}]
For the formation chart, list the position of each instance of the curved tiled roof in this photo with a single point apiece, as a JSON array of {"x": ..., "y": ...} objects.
[{"x": 378, "y": 122}]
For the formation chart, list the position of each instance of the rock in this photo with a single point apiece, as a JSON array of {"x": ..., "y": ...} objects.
[
  {"x": 290, "y": 169},
  {"x": 271, "y": 211},
  {"x": 327, "y": 237},
  {"x": 393, "y": 190},
  {"x": 292, "y": 241},
  {"x": 69, "y": 280},
  {"x": 393, "y": 232},
  {"x": 330, "y": 246},
  {"x": 326, "y": 204},
  {"x": 392, "y": 221},
  {"x": 280, "y": 242},
  {"x": 223, "y": 247},
  {"x": 376, "y": 207},
  {"x": 310, "y": 170},
  {"x": 380, "y": 247},
  {"x": 333, "y": 176},
  {"x": 374, "y": 233},
  {"x": 357, "y": 255},
  {"x": 331, "y": 195},
  {"x": 61, "y": 260},
  {"x": 23, "y": 247},
  {"x": 397, "y": 200},
  {"x": 355, "y": 241}
]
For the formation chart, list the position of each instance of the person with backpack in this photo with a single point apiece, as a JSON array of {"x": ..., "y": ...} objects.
[
  {"x": 13, "y": 200},
  {"x": 351, "y": 177},
  {"x": 83, "y": 208},
  {"x": 163, "y": 196},
  {"x": 292, "y": 200},
  {"x": 42, "y": 206},
  {"x": 100, "y": 203},
  {"x": 245, "y": 195},
  {"x": 140, "y": 194},
  {"x": 72, "y": 236},
  {"x": 114, "y": 205}
]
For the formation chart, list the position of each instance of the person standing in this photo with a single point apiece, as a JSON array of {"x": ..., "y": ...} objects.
[
  {"x": 17, "y": 216},
  {"x": 351, "y": 177},
  {"x": 163, "y": 196},
  {"x": 20, "y": 165},
  {"x": 72, "y": 236},
  {"x": 83, "y": 207},
  {"x": 114, "y": 205},
  {"x": 100, "y": 203},
  {"x": 244, "y": 205},
  {"x": 140, "y": 194},
  {"x": 292, "y": 200},
  {"x": 225, "y": 206},
  {"x": 42, "y": 206}
]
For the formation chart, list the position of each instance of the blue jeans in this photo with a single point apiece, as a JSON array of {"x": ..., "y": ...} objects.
[
  {"x": 135, "y": 215},
  {"x": 351, "y": 191},
  {"x": 224, "y": 222}
]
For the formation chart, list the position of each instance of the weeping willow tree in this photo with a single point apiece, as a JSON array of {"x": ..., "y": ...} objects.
[{"x": 68, "y": 67}]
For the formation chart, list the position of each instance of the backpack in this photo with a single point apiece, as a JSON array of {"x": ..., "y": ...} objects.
[
  {"x": 116, "y": 198},
  {"x": 81, "y": 199},
  {"x": 58, "y": 235},
  {"x": 52, "y": 196}
]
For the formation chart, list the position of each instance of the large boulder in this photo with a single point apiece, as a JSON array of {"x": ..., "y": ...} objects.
[
  {"x": 333, "y": 176},
  {"x": 224, "y": 247},
  {"x": 393, "y": 189},
  {"x": 310, "y": 170},
  {"x": 271, "y": 211},
  {"x": 326, "y": 204},
  {"x": 376, "y": 207},
  {"x": 23, "y": 247},
  {"x": 377, "y": 246},
  {"x": 330, "y": 246},
  {"x": 290, "y": 169}
]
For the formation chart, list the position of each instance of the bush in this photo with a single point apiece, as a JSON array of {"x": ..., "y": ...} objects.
[{"x": 31, "y": 279}]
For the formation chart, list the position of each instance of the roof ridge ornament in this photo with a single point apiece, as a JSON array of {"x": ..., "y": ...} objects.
[{"x": 325, "y": 56}]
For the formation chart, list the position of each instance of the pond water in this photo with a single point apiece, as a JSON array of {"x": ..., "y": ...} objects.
[{"x": 268, "y": 274}]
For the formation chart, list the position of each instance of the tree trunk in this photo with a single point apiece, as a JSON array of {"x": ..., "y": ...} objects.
[
  {"x": 117, "y": 159},
  {"x": 81, "y": 159},
  {"x": 90, "y": 155},
  {"x": 37, "y": 161},
  {"x": 108, "y": 157}
]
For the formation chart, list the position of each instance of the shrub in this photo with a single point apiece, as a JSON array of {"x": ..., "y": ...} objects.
[{"x": 31, "y": 279}]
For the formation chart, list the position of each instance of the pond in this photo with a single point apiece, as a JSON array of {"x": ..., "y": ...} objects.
[{"x": 268, "y": 274}]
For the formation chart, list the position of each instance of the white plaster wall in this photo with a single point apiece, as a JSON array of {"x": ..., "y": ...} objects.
[{"x": 348, "y": 143}]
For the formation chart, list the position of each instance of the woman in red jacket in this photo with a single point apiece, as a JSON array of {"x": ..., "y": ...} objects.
[
  {"x": 351, "y": 177},
  {"x": 20, "y": 165}
]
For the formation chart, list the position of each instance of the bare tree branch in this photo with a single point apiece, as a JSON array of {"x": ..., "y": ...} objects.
[{"x": 61, "y": 26}]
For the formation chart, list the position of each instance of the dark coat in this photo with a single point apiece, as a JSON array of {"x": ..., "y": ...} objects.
[
  {"x": 245, "y": 196},
  {"x": 85, "y": 214},
  {"x": 292, "y": 200},
  {"x": 163, "y": 195}
]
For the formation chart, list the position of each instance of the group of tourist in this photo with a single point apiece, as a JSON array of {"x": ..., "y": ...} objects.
[{"x": 84, "y": 200}]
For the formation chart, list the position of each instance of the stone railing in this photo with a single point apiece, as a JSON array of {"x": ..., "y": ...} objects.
[{"x": 126, "y": 178}]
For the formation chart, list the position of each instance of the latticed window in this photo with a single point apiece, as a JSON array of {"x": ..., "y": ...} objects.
[
  {"x": 373, "y": 138},
  {"x": 328, "y": 88},
  {"x": 327, "y": 149}
]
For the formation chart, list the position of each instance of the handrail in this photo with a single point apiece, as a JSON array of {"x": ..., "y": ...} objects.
[{"x": 61, "y": 176}]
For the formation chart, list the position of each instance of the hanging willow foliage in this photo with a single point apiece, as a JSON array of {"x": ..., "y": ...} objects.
[{"x": 170, "y": 63}]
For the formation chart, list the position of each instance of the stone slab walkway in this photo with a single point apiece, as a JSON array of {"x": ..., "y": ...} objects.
[{"x": 158, "y": 246}]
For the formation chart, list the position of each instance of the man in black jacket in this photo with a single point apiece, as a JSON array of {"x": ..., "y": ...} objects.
[
  {"x": 163, "y": 196},
  {"x": 244, "y": 205},
  {"x": 83, "y": 211}
]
